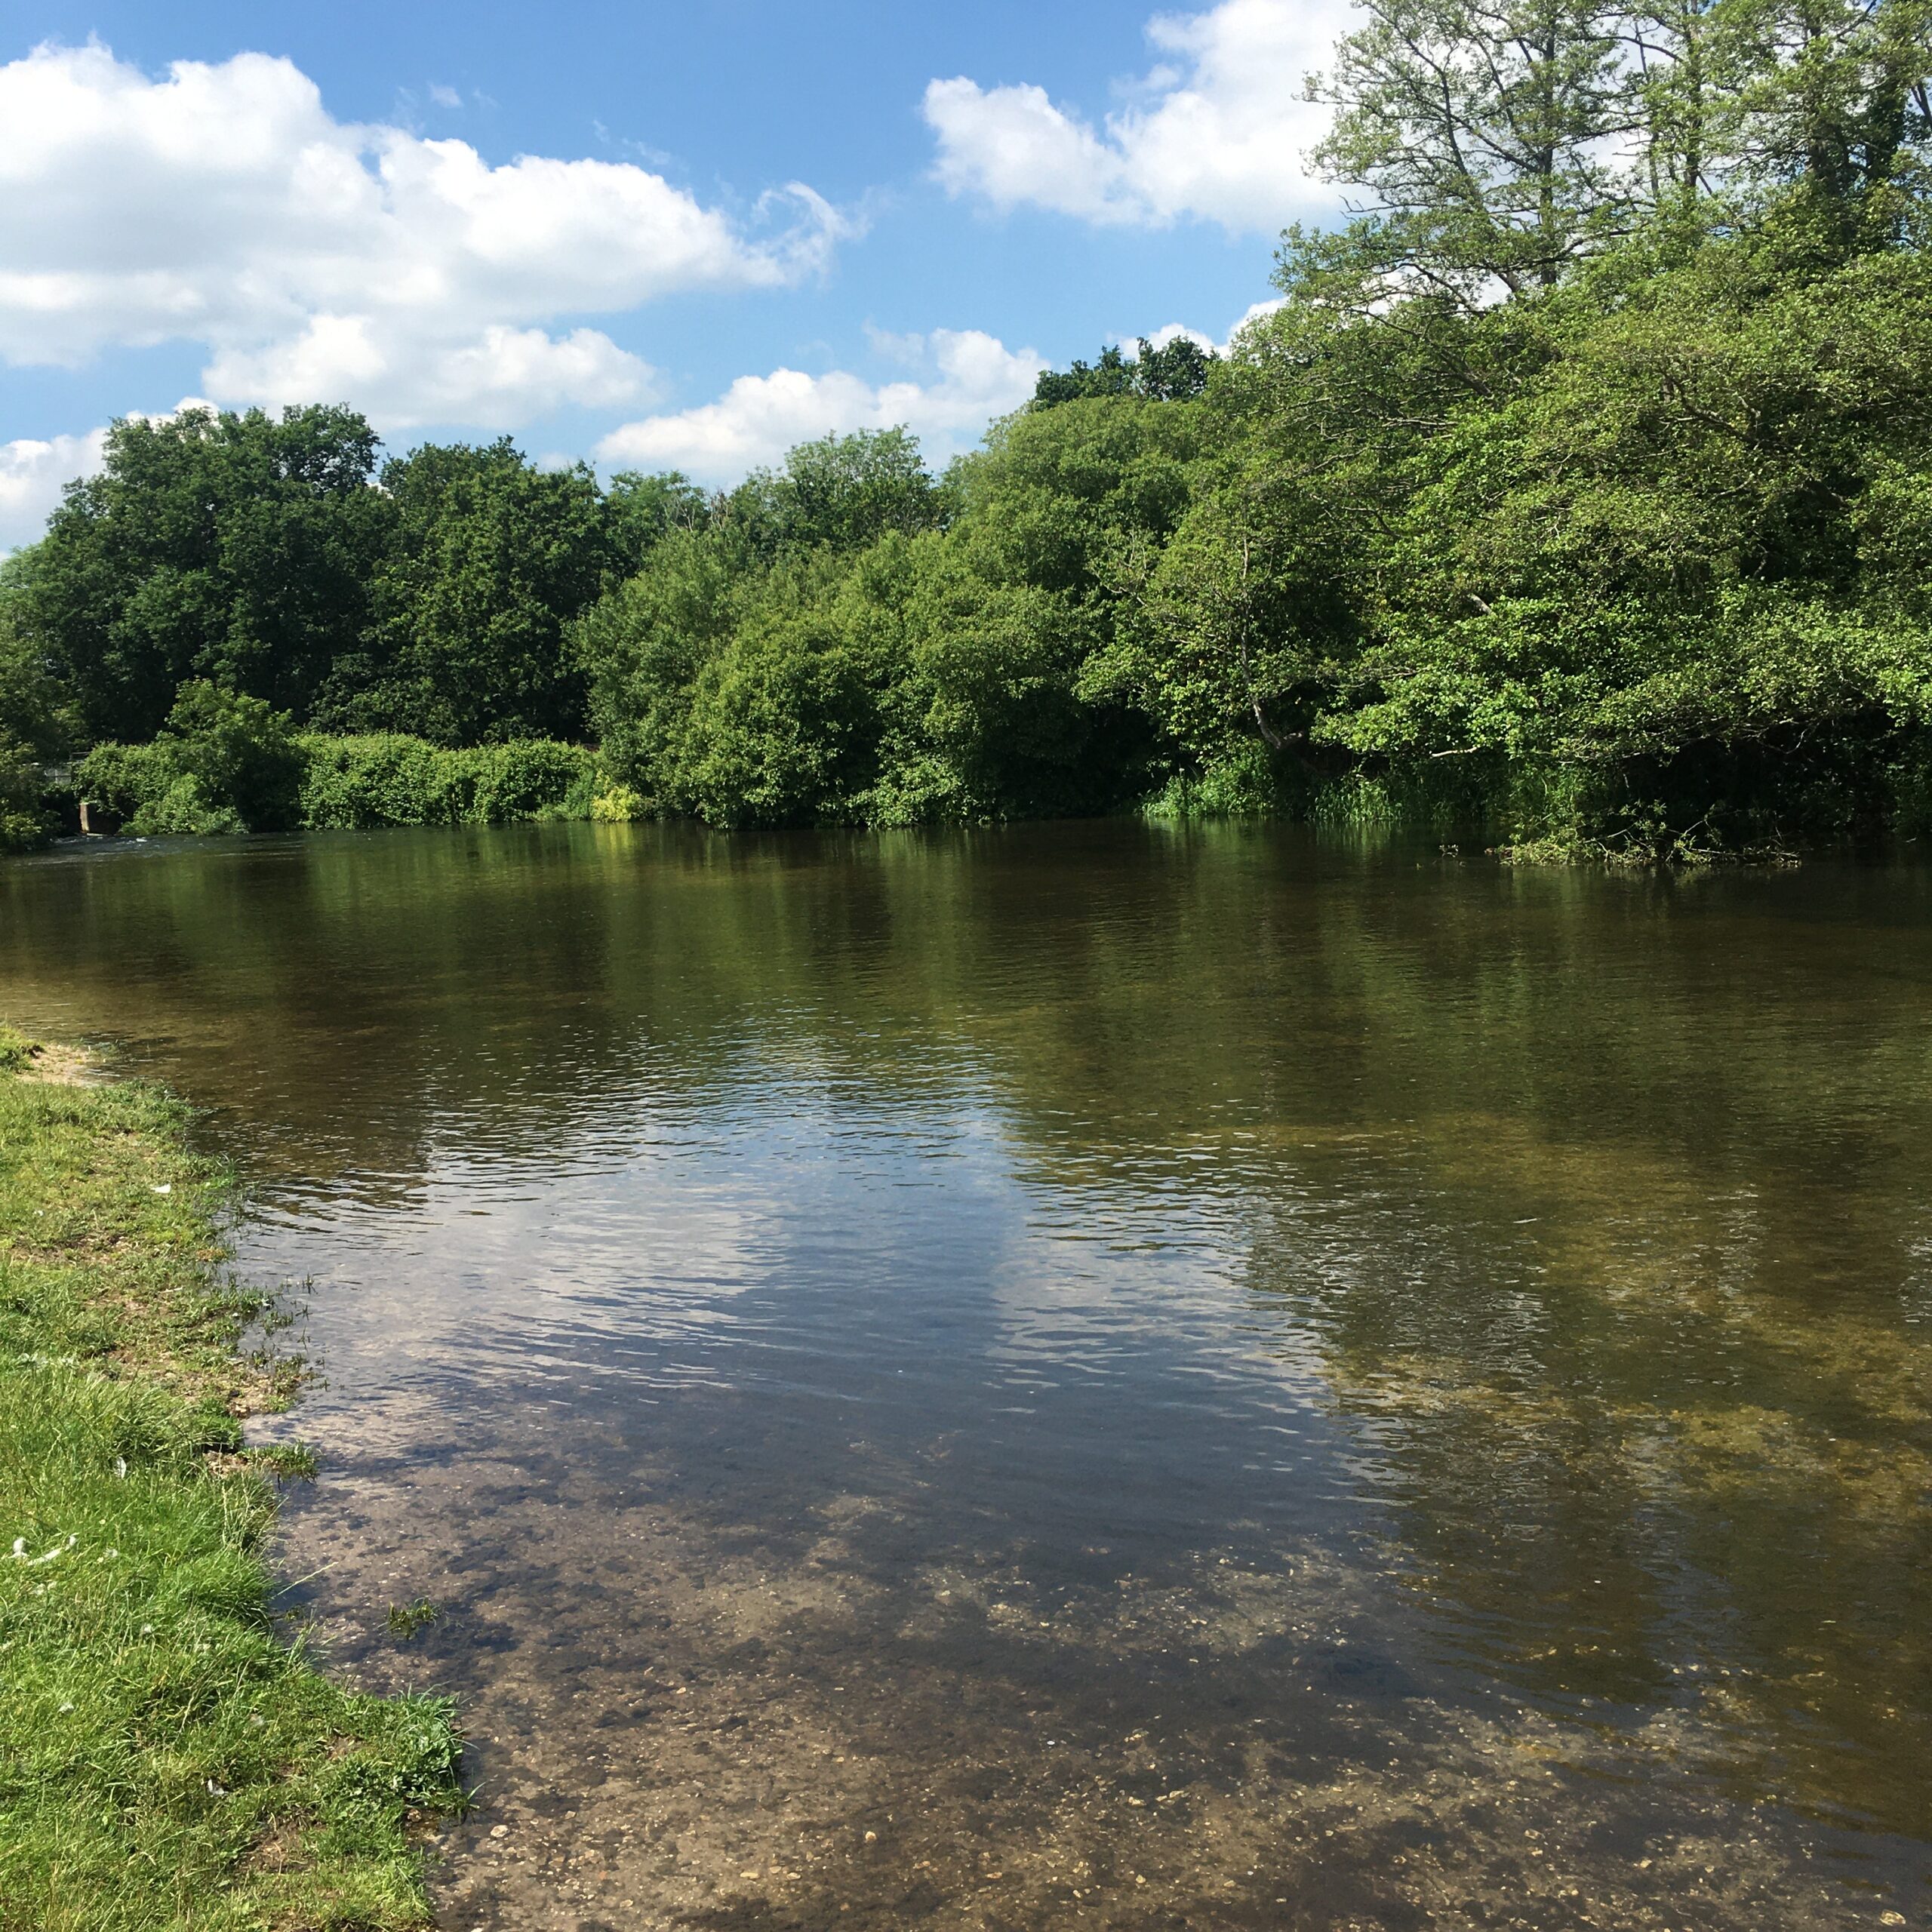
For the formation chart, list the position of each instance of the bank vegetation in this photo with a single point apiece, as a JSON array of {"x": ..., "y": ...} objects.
[
  {"x": 1578, "y": 489},
  {"x": 170, "y": 1755}
]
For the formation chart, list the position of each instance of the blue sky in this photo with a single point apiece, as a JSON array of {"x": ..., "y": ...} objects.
[{"x": 647, "y": 234}]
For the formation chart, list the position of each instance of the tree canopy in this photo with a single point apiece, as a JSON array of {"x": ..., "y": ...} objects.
[{"x": 1578, "y": 486}]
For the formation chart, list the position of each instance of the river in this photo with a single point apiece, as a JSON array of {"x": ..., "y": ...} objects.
[{"x": 1099, "y": 1374}]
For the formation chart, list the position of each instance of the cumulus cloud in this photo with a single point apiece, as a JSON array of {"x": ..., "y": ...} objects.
[
  {"x": 403, "y": 377},
  {"x": 1170, "y": 331},
  {"x": 970, "y": 378},
  {"x": 32, "y": 474},
  {"x": 1217, "y": 133},
  {"x": 223, "y": 204}
]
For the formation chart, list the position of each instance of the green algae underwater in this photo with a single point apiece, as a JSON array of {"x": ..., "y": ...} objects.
[
  {"x": 168, "y": 1757},
  {"x": 1112, "y": 1373}
]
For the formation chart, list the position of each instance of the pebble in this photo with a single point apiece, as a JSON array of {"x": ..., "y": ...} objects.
[{"x": 499, "y": 1831}]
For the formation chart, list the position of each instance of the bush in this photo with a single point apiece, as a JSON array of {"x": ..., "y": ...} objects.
[
  {"x": 354, "y": 783},
  {"x": 23, "y": 818},
  {"x": 224, "y": 763},
  {"x": 231, "y": 766}
]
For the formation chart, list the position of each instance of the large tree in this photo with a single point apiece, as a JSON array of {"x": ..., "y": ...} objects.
[
  {"x": 234, "y": 547},
  {"x": 1486, "y": 132},
  {"x": 492, "y": 557}
]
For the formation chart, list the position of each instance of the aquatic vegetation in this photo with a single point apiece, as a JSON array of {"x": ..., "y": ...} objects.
[{"x": 406, "y": 1621}]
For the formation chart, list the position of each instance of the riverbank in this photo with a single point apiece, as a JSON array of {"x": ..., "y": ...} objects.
[{"x": 165, "y": 1753}]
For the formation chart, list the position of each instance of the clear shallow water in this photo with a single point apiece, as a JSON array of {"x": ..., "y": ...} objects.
[{"x": 1171, "y": 1378}]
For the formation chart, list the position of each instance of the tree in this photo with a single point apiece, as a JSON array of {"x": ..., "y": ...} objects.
[
  {"x": 642, "y": 511},
  {"x": 1830, "y": 96},
  {"x": 491, "y": 560},
  {"x": 235, "y": 548},
  {"x": 1486, "y": 132},
  {"x": 1176, "y": 372},
  {"x": 36, "y": 710},
  {"x": 843, "y": 491},
  {"x": 221, "y": 763}
]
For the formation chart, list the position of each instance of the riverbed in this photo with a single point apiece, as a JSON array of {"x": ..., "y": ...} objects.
[{"x": 1102, "y": 1374}]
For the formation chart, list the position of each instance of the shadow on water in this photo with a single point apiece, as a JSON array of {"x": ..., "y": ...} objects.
[{"x": 1096, "y": 1372}]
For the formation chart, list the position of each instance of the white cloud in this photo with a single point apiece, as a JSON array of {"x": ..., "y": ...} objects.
[
  {"x": 32, "y": 474},
  {"x": 403, "y": 379},
  {"x": 1170, "y": 331},
  {"x": 1218, "y": 132},
  {"x": 441, "y": 96},
  {"x": 973, "y": 378},
  {"x": 223, "y": 204}
]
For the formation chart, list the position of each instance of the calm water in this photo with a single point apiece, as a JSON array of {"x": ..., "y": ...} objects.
[{"x": 1086, "y": 1375}]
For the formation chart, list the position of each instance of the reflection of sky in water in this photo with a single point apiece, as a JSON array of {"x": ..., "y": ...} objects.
[
  {"x": 806, "y": 1247},
  {"x": 1463, "y": 1334}
]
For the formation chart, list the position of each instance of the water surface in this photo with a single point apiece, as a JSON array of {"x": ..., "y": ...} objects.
[{"x": 1087, "y": 1374}]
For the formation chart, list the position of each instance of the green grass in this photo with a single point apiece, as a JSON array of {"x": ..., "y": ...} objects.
[{"x": 166, "y": 1758}]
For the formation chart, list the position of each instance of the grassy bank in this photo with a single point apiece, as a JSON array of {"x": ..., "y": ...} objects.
[{"x": 166, "y": 1759}]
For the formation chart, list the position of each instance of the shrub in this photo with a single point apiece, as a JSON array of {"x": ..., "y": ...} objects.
[
  {"x": 23, "y": 818},
  {"x": 224, "y": 763},
  {"x": 354, "y": 783}
]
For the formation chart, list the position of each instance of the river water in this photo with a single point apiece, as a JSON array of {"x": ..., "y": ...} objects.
[{"x": 1087, "y": 1374}]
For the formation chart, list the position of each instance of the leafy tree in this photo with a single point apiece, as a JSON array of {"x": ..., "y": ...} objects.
[
  {"x": 491, "y": 560},
  {"x": 641, "y": 647},
  {"x": 1638, "y": 579},
  {"x": 642, "y": 511},
  {"x": 36, "y": 709},
  {"x": 235, "y": 548},
  {"x": 1484, "y": 131},
  {"x": 1176, "y": 372},
  {"x": 843, "y": 491},
  {"x": 23, "y": 820},
  {"x": 223, "y": 762},
  {"x": 1830, "y": 96}
]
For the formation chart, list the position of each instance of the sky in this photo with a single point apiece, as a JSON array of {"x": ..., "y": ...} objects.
[{"x": 647, "y": 236}]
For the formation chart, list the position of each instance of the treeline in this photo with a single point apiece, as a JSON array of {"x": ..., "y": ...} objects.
[{"x": 1580, "y": 488}]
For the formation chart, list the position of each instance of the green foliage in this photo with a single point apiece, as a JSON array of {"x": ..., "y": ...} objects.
[
  {"x": 490, "y": 560},
  {"x": 355, "y": 783},
  {"x": 1634, "y": 574},
  {"x": 24, "y": 820},
  {"x": 222, "y": 763},
  {"x": 226, "y": 764},
  {"x": 863, "y": 667},
  {"x": 35, "y": 712},
  {"x": 236, "y": 548},
  {"x": 1176, "y": 372},
  {"x": 1575, "y": 488},
  {"x": 840, "y": 493},
  {"x": 642, "y": 511},
  {"x": 409, "y": 1619}
]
